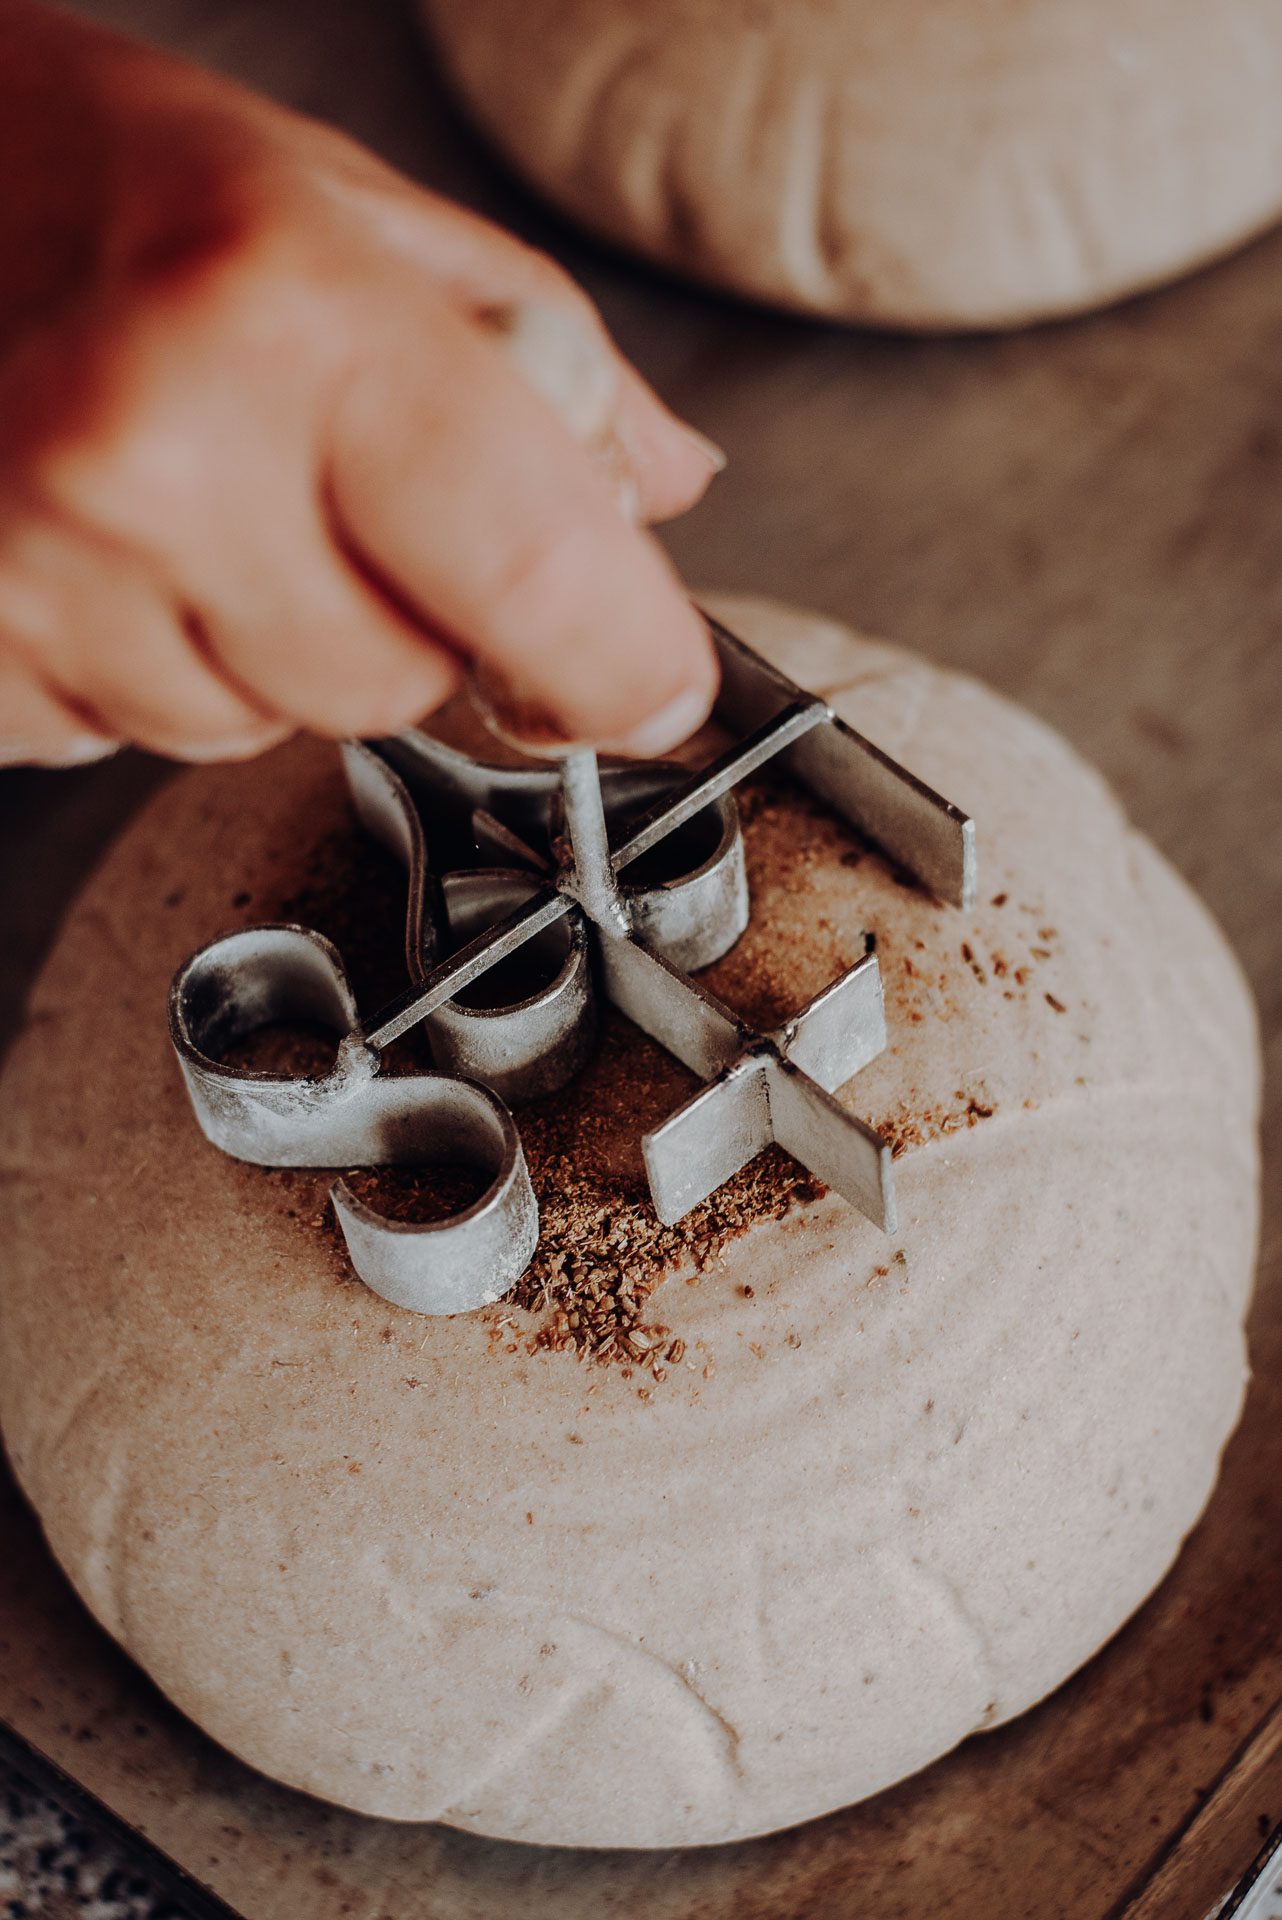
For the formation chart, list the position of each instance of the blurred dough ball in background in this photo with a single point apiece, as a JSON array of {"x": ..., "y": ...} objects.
[{"x": 905, "y": 163}]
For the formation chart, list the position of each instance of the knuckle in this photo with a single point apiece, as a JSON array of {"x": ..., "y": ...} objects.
[
  {"x": 251, "y": 285},
  {"x": 549, "y": 281},
  {"x": 194, "y": 233}
]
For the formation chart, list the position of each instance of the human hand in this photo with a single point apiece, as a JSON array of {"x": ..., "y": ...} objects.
[{"x": 286, "y": 442}]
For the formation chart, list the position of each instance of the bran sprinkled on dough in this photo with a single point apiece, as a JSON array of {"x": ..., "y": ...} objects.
[
  {"x": 906, "y": 1129},
  {"x": 602, "y": 1251},
  {"x": 415, "y": 1193},
  {"x": 299, "y": 1048},
  {"x": 969, "y": 957}
]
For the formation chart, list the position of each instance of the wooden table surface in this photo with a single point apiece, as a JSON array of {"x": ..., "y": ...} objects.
[{"x": 1089, "y": 516}]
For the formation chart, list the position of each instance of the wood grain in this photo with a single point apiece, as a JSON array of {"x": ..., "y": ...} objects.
[{"x": 1207, "y": 1855}]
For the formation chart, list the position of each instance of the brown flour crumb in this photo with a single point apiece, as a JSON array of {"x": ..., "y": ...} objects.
[
  {"x": 969, "y": 957},
  {"x": 905, "y": 1129},
  {"x": 602, "y": 1252},
  {"x": 418, "y": 1194},
  {"x": 301, "y": 1049}
]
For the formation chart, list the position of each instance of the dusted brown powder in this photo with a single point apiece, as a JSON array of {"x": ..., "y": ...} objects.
[
  {"x": 602, "y": 1250},
  {"x": 418, "y": 1194},
  {"x": 905, "y": 1129},
  {"x": 300, "y": 1049}
]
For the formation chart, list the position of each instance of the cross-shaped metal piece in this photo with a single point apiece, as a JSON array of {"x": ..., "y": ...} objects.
[{"x": 644, "y": 937}]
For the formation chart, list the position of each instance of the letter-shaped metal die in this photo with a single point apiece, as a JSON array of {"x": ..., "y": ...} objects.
[{"x": 549, "y": 884}]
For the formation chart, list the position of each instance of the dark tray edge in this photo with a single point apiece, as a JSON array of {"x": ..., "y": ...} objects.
[{"x": 174, "y": 1881}]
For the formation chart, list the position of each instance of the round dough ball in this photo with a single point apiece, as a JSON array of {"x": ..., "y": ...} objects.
[
  {"x": 926, "y": 164},
  {"x": 891, "y": 1492}
]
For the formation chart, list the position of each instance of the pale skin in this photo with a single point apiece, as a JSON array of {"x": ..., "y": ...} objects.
[{"x": 269, "y": 459}]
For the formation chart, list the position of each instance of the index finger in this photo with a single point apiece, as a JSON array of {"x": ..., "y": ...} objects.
[
  {"x": 458, "y": 486},
  {"x": 492, "y": 276}
]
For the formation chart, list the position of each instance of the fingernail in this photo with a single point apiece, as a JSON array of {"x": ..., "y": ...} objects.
[
  {"x": 716, "y": 457},
  {"x": 85, "y": 748},
  {"x": 242, "y": 747},
  {"x": 519, "y": 719},
  {"x": 670, "y": 726},
  {"x": 76, "y": 752}
]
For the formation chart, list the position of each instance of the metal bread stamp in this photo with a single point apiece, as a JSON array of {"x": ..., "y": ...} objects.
[{"x": 618, "y": 881}]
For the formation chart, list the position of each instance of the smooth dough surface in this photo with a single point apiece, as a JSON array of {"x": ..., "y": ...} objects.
[
  {"x": 930, "y": 163},
  {"x": 903, "y": 1489}
]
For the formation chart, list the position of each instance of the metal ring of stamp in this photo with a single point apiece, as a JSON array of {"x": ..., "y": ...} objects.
[
  {"x": 471, "y": 1258},
  {"x": 527, "y": 1026},
  {"x": 759, "y": 1086},
  {"x": 688, "y": 901},
  {"x": 385, "y": 808},
  {"x": 352, "y": 1115},
  {"x": 688, "y": 898},
  {"x": 451, "y": 786},
  {"x": 250, "y": 979}
]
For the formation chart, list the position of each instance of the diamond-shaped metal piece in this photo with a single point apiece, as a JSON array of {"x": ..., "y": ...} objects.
[{"x": 563, "y": 840}]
